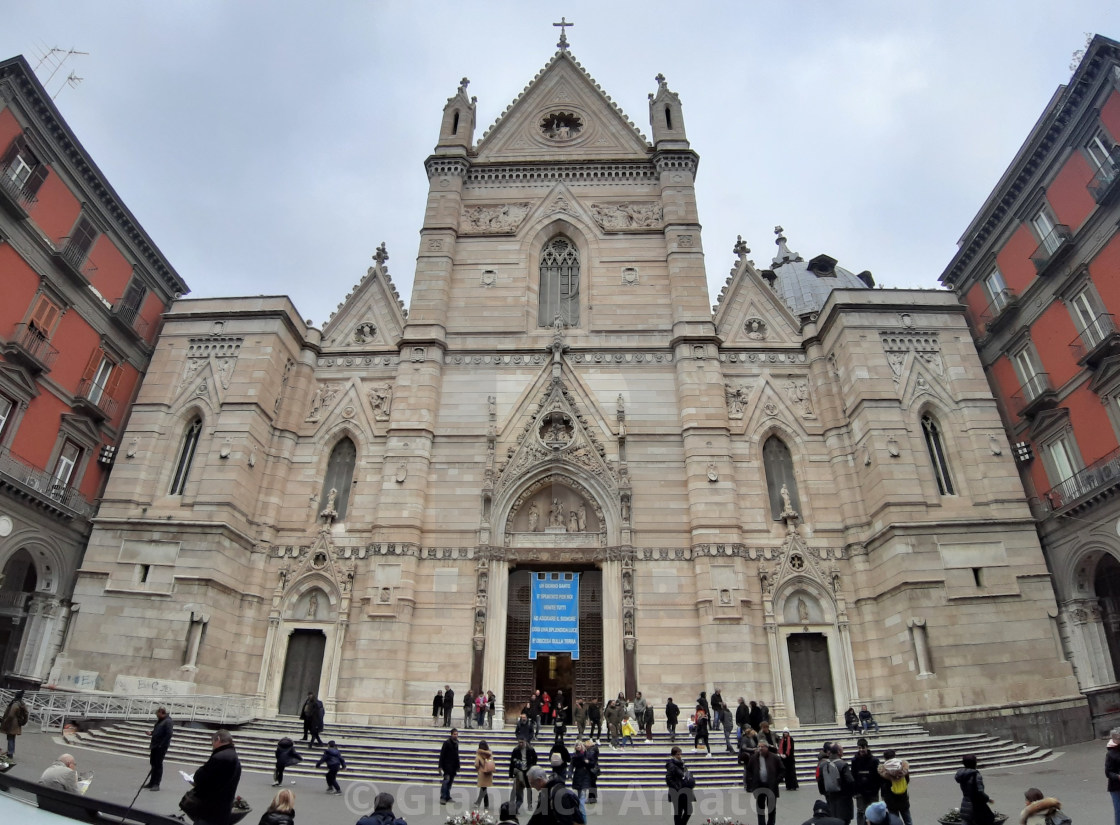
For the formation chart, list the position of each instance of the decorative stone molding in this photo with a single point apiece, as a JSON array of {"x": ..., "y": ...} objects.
[
  {"x": 381, "y": 401},
  {"x": 578, "y": 174},
  {"x": 629, "y": 276},
  {"x": 324, "y": 395},
  {"x": 756, "y": 329},
  {"x": 628, "y": 215},
  {"x": 737, "y": 398},
  {"x": 756, "y": 357},
  {"x": 222, "y": 350},
  {"x": 494, "y": 219},
  {"x": 446, "y": 167},
  {"x": 341, "y": 361},
  {"x": 520, "y": 359},
  {"x": 364, "y": 332},
  {"x": 924, "y": 344}
]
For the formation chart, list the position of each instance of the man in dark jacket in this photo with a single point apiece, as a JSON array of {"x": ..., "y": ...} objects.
[
  {"x": 742, "y": 716},
  {"x": 312, "y": 715},
  {"x": 557, "y": 804},
  {"x": 449, "y": 764},
  {"x": 762, "y": 775},
  {"x": 672, "y": 714},
  {"x": 681, "y": 787},
  {"x": 382, "y": 812},
  {"x": 520, "y": 761},
  {"x": 535, "y": 712},
  {"x": 594, "y": 720},
  {"x": 215, "y": 783},
  {"x": 821, "y": 815},
  {"x": 755, "y": 715},
  {"x": 836, "y": 776},
  {"x": 448, "y": 704},
  {"x": 1112, "y": 767},
  {"x": 524, "y": 728},
  {"x": 157, "y": 748},
  {"x": 717, "y": 708},
  {"x": 865, "y": 772}
]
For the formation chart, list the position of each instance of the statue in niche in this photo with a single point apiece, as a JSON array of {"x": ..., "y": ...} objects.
[
  {"x": 627, "y": 581},
  {"x": 491, "y": 406},
  {"x": 329, "y": 513},
  {"x": 573, "y": 522},
  {"x": 534, "y": 518},
  {"x": 756, "y": 329},
  {"x": 798, "y": 394},
  {"x": 381, "y": 401},
  {"x": 581, "y": 517},
  {"x": 556, "y": 514},
  {"x": 787, "y": 504},
  {"x": 628, "y": 624},
  {"x": 736, "y": 401},
  {"x": 364, "y": 332},
  {"x": 802, "y": 611},
  {"x": 313, "y": 606},
  {"x": 480, "y": 623}
]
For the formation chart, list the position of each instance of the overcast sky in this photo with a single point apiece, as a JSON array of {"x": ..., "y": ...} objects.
[{"x": 268, "y": 147}]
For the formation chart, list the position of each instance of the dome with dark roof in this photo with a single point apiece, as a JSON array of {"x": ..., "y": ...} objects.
[{"x": 805, "y": 286}]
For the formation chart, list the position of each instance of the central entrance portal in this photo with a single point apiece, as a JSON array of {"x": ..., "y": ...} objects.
[
  {"x": 580, "y": 678},
  {"x": 811, "y": 674},
  {"x": 303, "y": 667}
]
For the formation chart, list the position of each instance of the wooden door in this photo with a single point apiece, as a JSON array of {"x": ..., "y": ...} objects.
[
  {"x": 810, "y": 672},
  {"x": 302, "y": 668}
]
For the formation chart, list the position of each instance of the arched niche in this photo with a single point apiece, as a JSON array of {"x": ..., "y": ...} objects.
[
  {"x": 312, "y": 600},
  {"x": 557, "y": 509},
  {"x": 801, "y": 597}
]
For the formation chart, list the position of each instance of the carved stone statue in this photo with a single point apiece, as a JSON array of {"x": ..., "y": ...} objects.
[
  {"x": 500, "y": 218},
  {"x": 802, "y": 611},
  {"x": 329, "y": 513},
  {"x": 628, "y": 624},
  {"x": 534, "y": 518},
  {"x": 787, "y": 504},
  {"x": 573, "y": 522},
  {"x": 313, "y": 606},
  {"x": 556, "y": 514},
  {"x": 381, "y": 401},
  {"x": 627, "y": 215},
  {"x": 736, "y": 401},
  {"x": 756, "y": 329},
  {"x": 798, "y": 394},
  {"x": 581, "y": 517}
]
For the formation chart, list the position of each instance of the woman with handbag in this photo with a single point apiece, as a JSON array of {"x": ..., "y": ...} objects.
[
  {"x": 974, "y": 799},
  {"x": 484, "y": 765},
  {"x": 681, "y": 784}
]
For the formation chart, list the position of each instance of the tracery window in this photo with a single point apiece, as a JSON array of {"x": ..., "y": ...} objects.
[
  {"x": 186, "y": 458},
  {"x": 777, "y": 463},
  {"x": 559, "y": 288},
  {"x": 938, "y": 457},
  {"x": 340, "y": 476}
]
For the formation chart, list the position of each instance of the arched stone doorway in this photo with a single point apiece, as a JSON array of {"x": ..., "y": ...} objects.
[
  {"x": 1106, "y": 586},
  {"x": 18, "y": 581}
]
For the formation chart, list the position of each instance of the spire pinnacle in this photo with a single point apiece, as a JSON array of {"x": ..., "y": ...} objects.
[
  {"x": 563, "y": 24},
  {"x": 784, "y": 254}
]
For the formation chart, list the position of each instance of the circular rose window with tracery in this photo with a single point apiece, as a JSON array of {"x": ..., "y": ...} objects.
[{"x": 561, "y": 126}]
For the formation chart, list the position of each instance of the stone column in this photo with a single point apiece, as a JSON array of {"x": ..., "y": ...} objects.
[
  {"x": 43, "y": 611},
  {"x": 921, "y": 646},
  {"x": 847, "y": 661},
  {"x": 497, "y": 620},
  {"x": 613, "y": 662},
  {"x": 267, "y": 661},
  {"x": 1088, "y": 643},
  {"x": 777, "y": 679}
]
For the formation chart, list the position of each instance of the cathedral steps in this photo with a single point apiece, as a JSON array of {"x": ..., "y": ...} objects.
[{"x": 410, "y": 755}]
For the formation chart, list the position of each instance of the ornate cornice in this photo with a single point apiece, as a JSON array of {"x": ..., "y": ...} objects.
[
  {"x": 341, "y": 361},
  {"x": 676, "y": 161},
  {"x": 443, "y": 167},
  {"x": 764, "y": 357},
  {"x": 548, "y": 174}
]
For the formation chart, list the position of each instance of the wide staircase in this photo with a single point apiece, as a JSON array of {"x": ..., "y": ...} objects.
[{"x": 410, "y": 754}]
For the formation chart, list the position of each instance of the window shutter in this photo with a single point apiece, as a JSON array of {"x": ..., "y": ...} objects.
[
  {"x": 92, "y": 365},
  {"x": 44, "y": 315},
  {"x": 12, "y": 150},
  {"x": 112, "y": 381},
  {"x": 35, "y": 180}
]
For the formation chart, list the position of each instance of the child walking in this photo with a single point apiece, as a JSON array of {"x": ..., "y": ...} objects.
[
  {"x": 334, "y": 762},
  {"x": 286, "y": 756}
]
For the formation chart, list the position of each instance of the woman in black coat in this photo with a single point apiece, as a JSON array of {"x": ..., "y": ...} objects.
[
  {"x": 786, "y": 750},
  {"x": 681, "y": 784},
  {"x": 286, "y": 756},
  {"x": 974, "y": 801}
]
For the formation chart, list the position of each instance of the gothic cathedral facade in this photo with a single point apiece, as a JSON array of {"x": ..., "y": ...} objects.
[{"x": 803, "y": 494}]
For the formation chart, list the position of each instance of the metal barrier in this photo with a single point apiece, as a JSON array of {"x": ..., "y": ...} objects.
[{"x": 52, "y": 708}]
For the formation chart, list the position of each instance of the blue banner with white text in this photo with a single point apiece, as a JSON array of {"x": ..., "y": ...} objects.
[{"x": 554, "y": 614}]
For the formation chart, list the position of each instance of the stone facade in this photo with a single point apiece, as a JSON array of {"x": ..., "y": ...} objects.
[{"x": 625, "y": 437}]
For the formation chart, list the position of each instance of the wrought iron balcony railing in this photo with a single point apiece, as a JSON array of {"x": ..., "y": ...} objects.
[
  {"x": 1099, "y": 476},
  {"x": 1104, "y": 179},
  {"x": 1096, "y": 340},
  {"x": 31, "y": 347},
  {"x": 1052, "y": 249},
  {"x": 76, "y": 256},
  {"x": 92, "y": 395},
  {"x": 130, "y": 317},
  {"x": 1035, "y": 395},
  {"x": 1002, "y": 307},
  {"x": 31, "y": 480},
  {"x": 16, "y": 188}
]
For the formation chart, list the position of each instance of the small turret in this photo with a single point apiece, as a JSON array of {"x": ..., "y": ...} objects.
[
  {"x": 665, "y": 118},
  {"x": 457, "y": 130}
]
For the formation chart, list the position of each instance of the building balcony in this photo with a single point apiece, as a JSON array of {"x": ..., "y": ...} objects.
[
  {"x": 1001, "y": 310},
  {"x": 1034, "y": 396},
  {"x": 74, "y": 258},
  {"x": 41, "y": 487},
  {"x": 1100, "y": 477},
  {"x": 1053, "y": 248},
  {"x": 129, "y": 317},
  {"x": 30, "y": 348},
  {"x": 1096, "y": 341},
  {"x": 92, "y": 400},
  {"x": 1103, "y": 185},
  {"x": 14, "y": 194}
]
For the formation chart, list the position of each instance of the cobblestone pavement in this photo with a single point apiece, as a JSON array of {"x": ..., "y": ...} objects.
[{"x": 1076, "y": 776}]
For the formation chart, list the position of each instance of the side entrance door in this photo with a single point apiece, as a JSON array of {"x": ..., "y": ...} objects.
[
  {"x": 810, "y": 672},
  {"x": 302, "y": 668}
]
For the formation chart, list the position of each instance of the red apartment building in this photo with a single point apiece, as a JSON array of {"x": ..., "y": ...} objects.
[
  {"x": 82, "y": 290},
  {"x": 1039, "y": 269}
]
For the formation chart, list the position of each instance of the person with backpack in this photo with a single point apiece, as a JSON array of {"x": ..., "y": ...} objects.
[
  {"x": 865, "y": 770},
  {"x": 1042, "y": 810},
  {"x": 975, "y": 809},
  {"x": 681, "y": 786},
  {"x": 836, "y": 776},
  {"x": 335, "y": 763},
  {"x": 15, "y": 717},
  {"x": 557, "y": 804},
  {"x": 484, "y": 765},
  {"x": 894, "y": 784}
]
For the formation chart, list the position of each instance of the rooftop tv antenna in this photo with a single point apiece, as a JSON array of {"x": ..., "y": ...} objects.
[{"x": 56, "y": 58}]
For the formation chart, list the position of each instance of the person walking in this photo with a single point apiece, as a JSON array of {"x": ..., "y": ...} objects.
[
  {"x": 15, "y": 717},
  {"x": 838, "y": 783},
  {"x": 613, "y": 716},
  {"x": 437, "y": 708},
  {"x": 535, "y": 712},
  {"x": 524, "y": 728},
  {"x": 491, "y": 706},
  {"x": 755, "y": 715},
  {"x": 312, "y": 714},
  {"x": 742, "y": 719},
  {"x": 522, "y": 758},
  {"x": 865, "y": 772},
  {"x": 974, "y": 799},
  {"x": 286, "y": 756},
  {"x": 581, "y": 775},
  {"x": 672, "y": 714},
  {"x": 382, "y": 813},
  {"x": 787, "y": 750},
  {"x": 556, "y": 802},
  {"x": 1042, "y": 810},
  {"x": 595, "y": 720},
  {"x": 448, "y": 705},
  {"x": 449, "y": 764},
  {"x": 1111, "y": 770},
  {"x": 468, "y": 709},
  {"x": 484, "y": 767},
  {"x": 334, "y": 762},
  {"x": 593, "y": 767},
  {"x": 761, "y": 777},
  {"x": 159, "y": 742},
  {"x": 579, "y": 716},
  {"x": 215, "y": 783},
  {"x": 681, "y": 784},
  {"x": 560, "y": 751},
  {"x": 894, "y": 784},
  {"x": 717, "y": 708},
  {"x": 701, "y": 732},
  {"x": 282, "y": 809},
  {"x": 702, "y": 703},
  {"x": 727, "y": 722}
]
